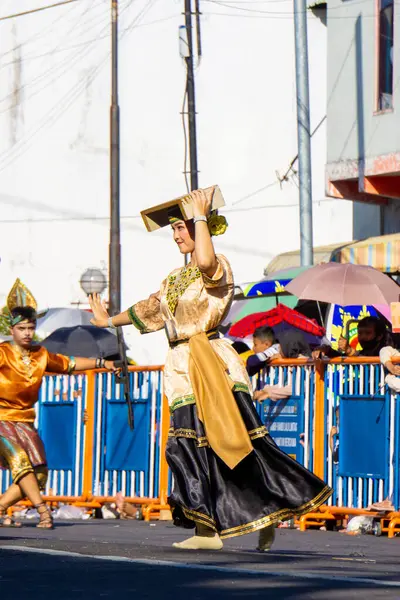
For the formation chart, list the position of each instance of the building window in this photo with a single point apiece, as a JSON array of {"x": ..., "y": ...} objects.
[{"x": 385, "y": 76}]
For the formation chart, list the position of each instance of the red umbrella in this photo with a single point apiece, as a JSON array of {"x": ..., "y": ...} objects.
[{"x": 246, "y": 326}]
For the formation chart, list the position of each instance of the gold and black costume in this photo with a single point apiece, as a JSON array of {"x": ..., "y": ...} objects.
[{"x": 228, "y": 472}]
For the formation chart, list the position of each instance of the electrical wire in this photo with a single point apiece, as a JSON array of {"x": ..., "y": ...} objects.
[
  {"x": 286, "y": 15},
  {"x": 54, "y": 69},
  {"x": 81, "y": 44},
  {"x": 185, "y": 156},
  {"x": 41, "y": 33},
  {"x": 94, "y": 218},
  {"x": 35, "y": 10},
  {"x": 64, "y": 104},
  {"x": 285, "y": 177},
  {"x": 265, "y": 12},
  {"x": 9, "y": 156}
]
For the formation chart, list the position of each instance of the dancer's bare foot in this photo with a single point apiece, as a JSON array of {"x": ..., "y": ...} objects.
[
  {"x": 126, "y": 510},
  {"x": 198, "y": 542}
]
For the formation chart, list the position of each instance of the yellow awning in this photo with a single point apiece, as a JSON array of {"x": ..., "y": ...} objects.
[
  {"x": 288, "y": 260},
  {"x": 382, "y": 253}
]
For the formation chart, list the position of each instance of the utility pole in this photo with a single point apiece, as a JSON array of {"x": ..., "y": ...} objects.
[
  {"x": 303, "y": 132},
  {"x": 115, "y": 243},
  {"x": 191, "y": 97}
]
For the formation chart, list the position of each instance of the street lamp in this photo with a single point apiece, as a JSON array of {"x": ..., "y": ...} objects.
[{"x": 93, "y": 281}]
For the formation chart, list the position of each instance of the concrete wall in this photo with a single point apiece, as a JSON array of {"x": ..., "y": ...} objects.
[
  {"x": 54, "y": 136},
  {"x": 353, "y": 130}
]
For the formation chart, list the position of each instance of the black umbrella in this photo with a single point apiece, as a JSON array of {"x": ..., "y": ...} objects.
[{"x": 83, "y": 340}]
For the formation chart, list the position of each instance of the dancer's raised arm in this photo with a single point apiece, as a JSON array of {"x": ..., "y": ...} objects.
[{"x": 204, "y": 248}]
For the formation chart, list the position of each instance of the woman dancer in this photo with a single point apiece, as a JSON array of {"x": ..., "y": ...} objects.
[{"x": 229, "y": 476}]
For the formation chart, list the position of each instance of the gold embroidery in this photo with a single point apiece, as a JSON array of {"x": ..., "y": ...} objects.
[
  {"x": 199, "y": 517},
  {"x": 182, "y": 401},
  {"x": 186, "y": 433},
  {"x": 257, "y": 433},
  {"x": 202, "y": 441},
  {"x": 179, "y": 283},
  {"x": 241, "y": 387},
  {"x": 280, "y": 515}
]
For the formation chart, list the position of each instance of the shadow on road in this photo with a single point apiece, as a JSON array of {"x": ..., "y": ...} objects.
[{"x": 40, "y": 576}]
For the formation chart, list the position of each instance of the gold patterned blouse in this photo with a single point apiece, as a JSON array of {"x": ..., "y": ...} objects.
[
  {"x": 189, "y": 303},
  {"x": 21, "y": 376}
]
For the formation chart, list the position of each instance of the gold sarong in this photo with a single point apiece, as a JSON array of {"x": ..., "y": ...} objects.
[{"x": 216, "y": 405}]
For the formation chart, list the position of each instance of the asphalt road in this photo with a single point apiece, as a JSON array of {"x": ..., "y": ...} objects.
[{"x": 114, "y": 559}]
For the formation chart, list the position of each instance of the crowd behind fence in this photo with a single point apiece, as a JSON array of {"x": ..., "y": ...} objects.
[{"x": 340, "y": 405}]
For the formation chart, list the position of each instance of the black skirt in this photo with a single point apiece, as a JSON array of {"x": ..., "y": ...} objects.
[{"x": 266, "y": 487}]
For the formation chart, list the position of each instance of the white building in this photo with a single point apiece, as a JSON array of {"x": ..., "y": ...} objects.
[{"x": 54, "y": 136}]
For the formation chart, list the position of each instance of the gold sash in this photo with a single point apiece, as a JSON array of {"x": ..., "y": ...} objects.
[{"x": 216, "y": 406}]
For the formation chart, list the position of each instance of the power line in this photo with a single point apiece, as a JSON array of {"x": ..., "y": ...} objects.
[
  {"x": 8, "y": 157},
  {"x": 65, "y": 64},
  {"x": 41, "y": 33},
  {"x": 94, "y": 218},
  {"x": 69, "y": 98},
  {"x": 86, "y": 43},
  {"x": 266, "y": 12},
  {"x": 287, "y": 15},
  {"x": 35, "y": 10}
]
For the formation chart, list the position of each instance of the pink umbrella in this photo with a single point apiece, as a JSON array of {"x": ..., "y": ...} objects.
[{"x": 345, "y": 284}]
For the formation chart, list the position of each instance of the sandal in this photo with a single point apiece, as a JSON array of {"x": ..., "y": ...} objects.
[
  {"x": 5, "y": 520},
  {"x": 46, "y": 520}
]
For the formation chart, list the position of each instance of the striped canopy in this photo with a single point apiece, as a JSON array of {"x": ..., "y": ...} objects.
[{"x": 382, "y": 253}]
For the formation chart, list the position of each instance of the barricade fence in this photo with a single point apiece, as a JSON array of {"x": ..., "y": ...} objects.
[
  {"x": 91, "y": 452},
  {"x": 341, "y": 422},
  {"x": 361, "y": 435}
]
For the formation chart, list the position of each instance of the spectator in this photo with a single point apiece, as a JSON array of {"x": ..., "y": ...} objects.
[
  {"x": 292, "y": 345},
  {"x": 372, "y": 337},
  {"x": 393, "y": 377},
  {"x": 265, "y": 345}
]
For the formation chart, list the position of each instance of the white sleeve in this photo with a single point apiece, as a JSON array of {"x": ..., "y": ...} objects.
[
  {"x": 387, "y": 353},
  {"x": 271, "y": 351}
]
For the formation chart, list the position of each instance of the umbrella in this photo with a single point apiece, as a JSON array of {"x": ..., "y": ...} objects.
[
  {"x": 248, "y": 306},
  {"x": 62, "y": 317},
  {"x": 280, "y": 315},
  {"x": 84, "y": 340},
  {"x": 345, "y": 284},
  {"x": 274, "y": 284}
]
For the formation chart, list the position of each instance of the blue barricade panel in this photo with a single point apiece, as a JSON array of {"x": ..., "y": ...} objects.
[
  {"x": 127, "y": 449},
  {"x": 285, "y": 422},
  {"x": 364, "y": 437},
  {"x": 57, "y": 428}
]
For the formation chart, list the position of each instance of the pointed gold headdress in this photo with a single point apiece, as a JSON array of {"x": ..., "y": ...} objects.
[{"x": 20, "y": 295}]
